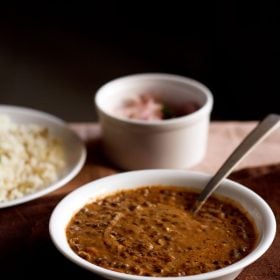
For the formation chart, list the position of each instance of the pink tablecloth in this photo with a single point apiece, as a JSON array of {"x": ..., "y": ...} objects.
[{"x": 223, "y": 138}]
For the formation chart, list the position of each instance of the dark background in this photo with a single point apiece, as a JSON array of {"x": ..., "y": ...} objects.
[{"x": 53, "y": 58}]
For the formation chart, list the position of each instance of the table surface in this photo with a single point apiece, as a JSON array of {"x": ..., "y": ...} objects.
[
  {"x": 24, "y": 238},
  {"x": 223, "y": 138}
]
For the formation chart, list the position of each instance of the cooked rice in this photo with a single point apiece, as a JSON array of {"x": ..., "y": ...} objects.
[{"x": 30, "y": 158}]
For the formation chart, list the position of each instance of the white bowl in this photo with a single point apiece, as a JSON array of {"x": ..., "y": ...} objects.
[
  {"x": 174, "y": 143},
  {"x": 254, "y": 204},
  {"x": 73, "y": 146}
]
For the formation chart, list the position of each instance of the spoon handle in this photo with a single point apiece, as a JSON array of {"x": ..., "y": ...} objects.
[{"x": 257, "y": 135}]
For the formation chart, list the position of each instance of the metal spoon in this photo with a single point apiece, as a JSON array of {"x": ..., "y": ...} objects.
[{"x": 264, "y": 128}]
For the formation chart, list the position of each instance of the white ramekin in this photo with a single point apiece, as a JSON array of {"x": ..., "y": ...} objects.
[{"x": 174, "y": 143}]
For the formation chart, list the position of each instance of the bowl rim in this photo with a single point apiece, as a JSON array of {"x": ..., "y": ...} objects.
[
  {"x": 263, "y": 245},
  {"x": 15, "y": 109},
  {"x": 204, "y": 109}
]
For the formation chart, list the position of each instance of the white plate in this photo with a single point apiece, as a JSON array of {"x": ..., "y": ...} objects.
[{"x": 74, "y": 148}]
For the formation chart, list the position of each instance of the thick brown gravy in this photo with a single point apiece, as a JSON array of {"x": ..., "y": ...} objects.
[{"x": 150, "y": 231}]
